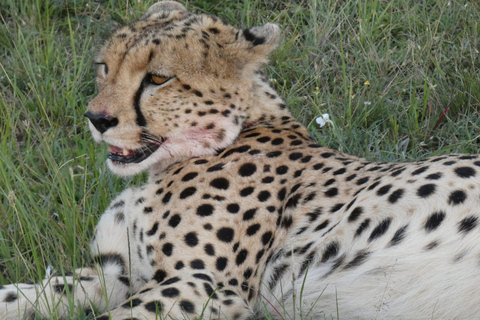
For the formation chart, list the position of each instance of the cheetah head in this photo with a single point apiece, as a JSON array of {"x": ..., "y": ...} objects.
[{"x": 174, "y": 85}]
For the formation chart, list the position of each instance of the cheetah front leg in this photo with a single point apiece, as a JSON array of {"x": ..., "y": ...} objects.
[
  {"x": 61, "y": 295},
  {"x": 187, "y": 295},
  {"x": 101, "y": 287}
]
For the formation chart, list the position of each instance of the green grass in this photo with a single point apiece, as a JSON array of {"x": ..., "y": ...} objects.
[{"x": 419, "y": 57}]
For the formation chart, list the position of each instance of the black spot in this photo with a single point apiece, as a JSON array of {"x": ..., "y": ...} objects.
[
  {"x": 364, "y": 225},
  {"x": 117, "y": 205},
  {"x": 330, "y": 251},
  {"x": 119, "y": 217},
  {"x": 202, "y": 276},
  {"x": 153, "y": 306},
  {"x": 282, "y": 170},
  {"x": 191, "y": 239},
  {"x": 358, "y": 259},
  {"x": 241, "y": 257},
  {"x": 170, "y": 281},
  {"x": 362, "y": 181},
  {"x": 179, "y": 265},
  {"x": 355, "y": 214},
  {"x": 233, "y": 208},
  {"x": 207, "y": 226},
  {"x": 465, "y": 172},
  {"x": 274, "y": 154},
  {"x": 153, "y": 230},
  {"x": 321, "y": 226},
  {"x": 281, "y": 194},
  {"x": 249, "y": 214},
  {"x": 246, "y": 191},
  {"x": 187, "y": 306},
  {"x": 209, "y": 290},
  {"x": 337, "y": 207},
  {"x": 253, "y": 229},
  {"x": 225, "y": 234},
  {"x": 132, "y": 303},
  {"x": 293, "y": 201},
  {"x": 373, "y": 185},
  {"x": 277, "y": 141},
  {"x": 397, "y": 172},
  {"x": 434, "y": 176},
  {"x": 217, "y": 167},
  {"x": 419, "y": 171},
  {"x": 240, "y": 149},
  {"x": 159, "y": 275},
  {"x": 339, "y": 171},
  {"x": 384, "y": 190},
  {"x": 263, "y": 196},
  {"x": 220, "y": 183},
  {"x": 247, "y": 169},
  {"x": 167, "y": 249},
  {"x": 426, "y": 190},
  {"x": 221, "y": 263},
  {"x": 432, "y": 245},
  {"x": 174, "y": 220},
  {"x": 329, "y": 182},
  {"x": 166, "y": 197},
  {"x": 264, "y": 139},
  {"x": 147, "y": 210},
  {"x": 197, "y": 264},
  {"x": 398, "y": 236},
  {"x": 277, "y": 274},
  {"x": 467, "y": 224},
  {"x": 395, "y": 196},
  {"x": 190, "y": 191},
  {"x": 205, "y": 210},
  {"x": 170, "y": 292},
  {"x": 434, "y": 221},
  {"x": 380, "y": 229},
  {"x": 266, "y": 237},
  {"x": 268, "y": 179},
  {"x": 295, "y": 156},
  {"x": 331, "y": 192},
  {"x": 198, "y": 93},
  {"x": 209, "y": 249},
  {"x": 457, "y": 197}
]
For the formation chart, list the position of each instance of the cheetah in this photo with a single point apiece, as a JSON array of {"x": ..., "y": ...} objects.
[{"x": 244, "y": 215}]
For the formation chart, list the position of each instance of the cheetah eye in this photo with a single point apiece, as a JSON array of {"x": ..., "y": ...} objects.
[{"x": 158, "y": 80}]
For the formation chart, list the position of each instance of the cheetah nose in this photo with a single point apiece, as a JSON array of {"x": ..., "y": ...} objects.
[{"x": 101, "y": 121}]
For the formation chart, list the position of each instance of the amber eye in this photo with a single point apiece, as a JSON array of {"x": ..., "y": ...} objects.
[{"x": 158, "y": 79}]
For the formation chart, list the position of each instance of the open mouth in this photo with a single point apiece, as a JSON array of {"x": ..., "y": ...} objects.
[{"x": 123, "y": 155}]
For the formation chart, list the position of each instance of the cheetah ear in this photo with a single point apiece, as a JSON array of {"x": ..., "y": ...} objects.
[
  {"x": 165, "y": 6},
  {"x": 261, "y": 40}
]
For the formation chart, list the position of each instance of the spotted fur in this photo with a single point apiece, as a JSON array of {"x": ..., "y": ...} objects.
[{"x": 243, "y": 213}]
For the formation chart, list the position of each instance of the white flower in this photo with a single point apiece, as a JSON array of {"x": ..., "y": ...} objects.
[
  {"x": 367, "y": 103},
  {"x": 322, "y": 120}
]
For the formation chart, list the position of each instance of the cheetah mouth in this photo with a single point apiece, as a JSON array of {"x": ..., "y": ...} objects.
[{"x": 124, "y": 156}]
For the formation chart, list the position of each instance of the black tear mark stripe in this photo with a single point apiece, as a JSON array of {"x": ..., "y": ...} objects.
[{"x": 136, "y": 104}]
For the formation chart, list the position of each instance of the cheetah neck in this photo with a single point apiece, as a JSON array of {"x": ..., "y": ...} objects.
[{"x": 265, "y": 106}]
